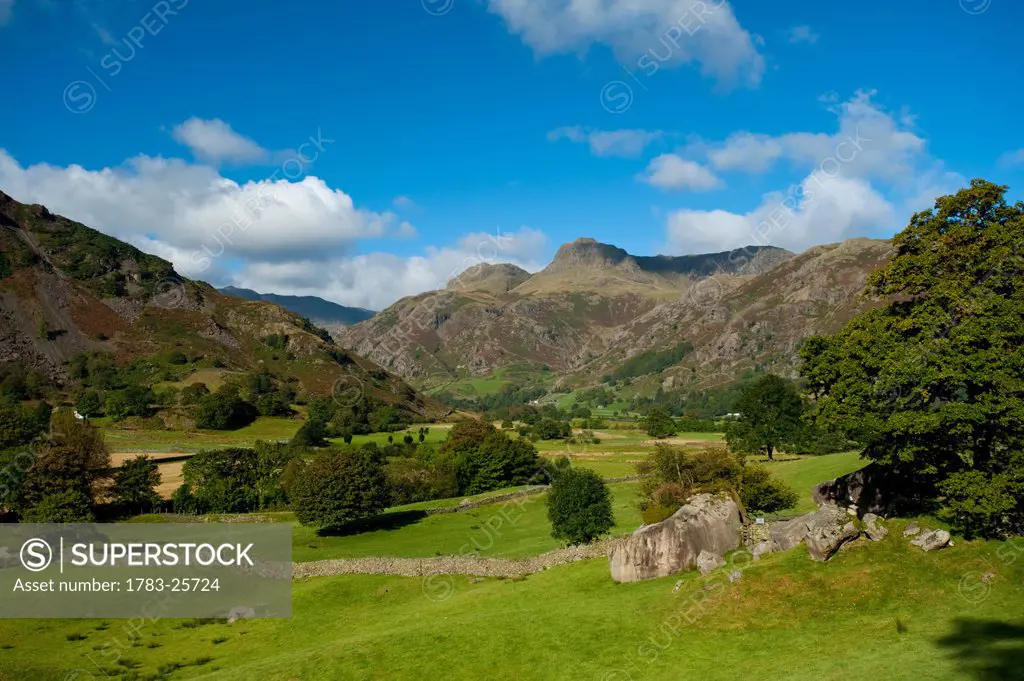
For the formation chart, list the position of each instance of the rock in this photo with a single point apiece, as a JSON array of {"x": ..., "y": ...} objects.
[
  {"x": 709, "y": 562},
  {"x": 828, "y": 529},
  {"x": 932, "y": 540},
  {"x": 873, "y": 527},
  {"x": 912, "y": 529},
  {"x": 705, "y": 523},
  {"x": 735, "y": 576},
  {"x": 240, "y": 612},
  {"x": 868, "y": 490},
  {"x": 787, "y": 534},
  {"x": 678, "y": 586},
  {"x": 761, "y": 549}
]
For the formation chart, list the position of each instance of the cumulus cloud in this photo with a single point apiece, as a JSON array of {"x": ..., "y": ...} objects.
[
  {"x": 624, "y": 142},
  {"x": 288, "y": 236},
  {"x": 192, "y": 209},
  {"x": 803, "y": 34},
  {"x": 375, "y": 280},
  {"x": 869, "y": 141},
  {"x": 867, "y": 177},
  {"x": 669, "y": 171},
  {"x": 214, "y": 141},
  {"x": 672, "y": 32}
]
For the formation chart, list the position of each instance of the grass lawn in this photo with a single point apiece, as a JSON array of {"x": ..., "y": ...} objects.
[
  {"x": 804, "y": 472},
  {"x": 876, "y": 611},
  {"x": 267, "y": 428},
  {"x": 435, "y": 435},
  {"x": 509, "y": 529}
]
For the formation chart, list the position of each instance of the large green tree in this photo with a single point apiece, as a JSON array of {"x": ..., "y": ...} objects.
[
  {"x": 579, "y": 506},
  {"x": 135, "y": 484},
  {"x": 770, "y": 411},
  {"x": 340, "y": 486},
  {"x": 933, "y": 381}
]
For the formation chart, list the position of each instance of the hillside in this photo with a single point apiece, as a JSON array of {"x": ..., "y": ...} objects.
[
  {"x": 67, "y": 290},
  {"x": 317, "y": 310},
  {"x": 596, "y": 306}
]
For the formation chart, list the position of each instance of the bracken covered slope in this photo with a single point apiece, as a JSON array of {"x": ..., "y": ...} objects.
[{"x": 66, "y": 289}]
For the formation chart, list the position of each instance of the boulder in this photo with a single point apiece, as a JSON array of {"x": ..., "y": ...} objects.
[
  {"x": 868, "y": 490},
  {"x": 709, "y": 562},
  {"x": 705, "y": 523},
  {"x": 932, "y": 540},
  {"x": 828, "y": 529},
  {"x": 788, "y": 533},
  {"x": 912, "y": 529},
  {"x": 735, "y": 576},
  {"x": 874, "y": 528},
  {"x": 761, "y": 549}
]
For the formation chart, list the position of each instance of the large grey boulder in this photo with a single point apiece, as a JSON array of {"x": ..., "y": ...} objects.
[
  {"x": 932, "y": 540},
  {"x": 705, "y": 523},
  {"x": 874, "y": 528},
  {"x": 828, "y": 529},
  {"x": 824, "y": 531}
]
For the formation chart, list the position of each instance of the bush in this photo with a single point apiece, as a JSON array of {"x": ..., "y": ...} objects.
[
  {"x": 194, "y": 393},
  {"x": 311, "y": 434},
  {"x": 655, "y": 513},
  {"x": 579, "y": 506},
  {"x": 978, "y": 503},
  {"x": 340, "y": 486},
  {"x": 761, "y": 492},
  {"x": 238, "y": 480},
  {"x": 89, "y": 404},
  {"x": 67, "y": 506},
  {"x": 659, "y": 424},
  {"x": 177, "y": 358},
  {"x": 224, "y": 410}
]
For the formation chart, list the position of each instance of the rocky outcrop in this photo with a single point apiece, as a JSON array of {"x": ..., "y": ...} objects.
[
  {"x": 824, "y": 531},
  {"x": 828, "y": 529},
  {"x": 705, "y": 523},
  {"x": 933, "y": 540},
  {"x": 874, "y": 528},
  {"x": 868, "y": 490}
]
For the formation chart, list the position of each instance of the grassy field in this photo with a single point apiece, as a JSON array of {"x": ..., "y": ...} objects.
[
  {"x": 509, "y": 529},
  {"x": 803, "y": 473},
  {"x": 269, "y": 428},
  {"x": 876, "y": 611}
]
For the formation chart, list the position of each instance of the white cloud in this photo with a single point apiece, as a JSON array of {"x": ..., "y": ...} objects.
[
  {"x": 276, "y": 235},
  {"x": 869, "y": 141},
  {"x": 671, "y": 32},
  {"x": 608, "y": 142},
  {"x": 214, "y": 141},
  {"x": 6, "y": 7},
  {"x": 403, "y": 202},
  {"x": 375, "y": 280},
  {"x": 669, "y": 171},
  {"x": 197, "y": 213},
  {"x": 1012, "y": 158},
  {"x": 803, "y": 34},
  {"x": 866, "y": 178}
]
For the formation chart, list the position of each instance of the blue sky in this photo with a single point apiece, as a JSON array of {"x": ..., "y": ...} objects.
[{"x": 453, "y": 131}]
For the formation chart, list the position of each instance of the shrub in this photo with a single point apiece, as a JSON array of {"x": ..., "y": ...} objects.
[
  {"x": 762, "y": 492},
  {"x": 311, "y": 434},
  {"x": 659, "y": 424},
  {"x": 194, "y": 393},
  {"x": 177, "y": 358},
  {"x": 88, "y": 403},
  {"x": 67, "y": 506},
  {"x": 579, "y": 506},
  {"x": 224, "y": 410},
  {"x": 340, "y": 486},
  {"x": 655, "y": 513}
]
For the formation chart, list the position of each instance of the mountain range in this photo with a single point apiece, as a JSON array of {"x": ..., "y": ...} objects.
[
  {"x": 317, "y": 310},
  {"x": 701, "y": 320}
]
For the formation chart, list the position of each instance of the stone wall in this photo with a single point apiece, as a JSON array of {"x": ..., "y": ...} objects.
[{"x": 455, "y": 565}]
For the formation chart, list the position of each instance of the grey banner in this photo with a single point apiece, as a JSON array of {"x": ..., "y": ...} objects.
[{"x": 210, "y": 570}]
